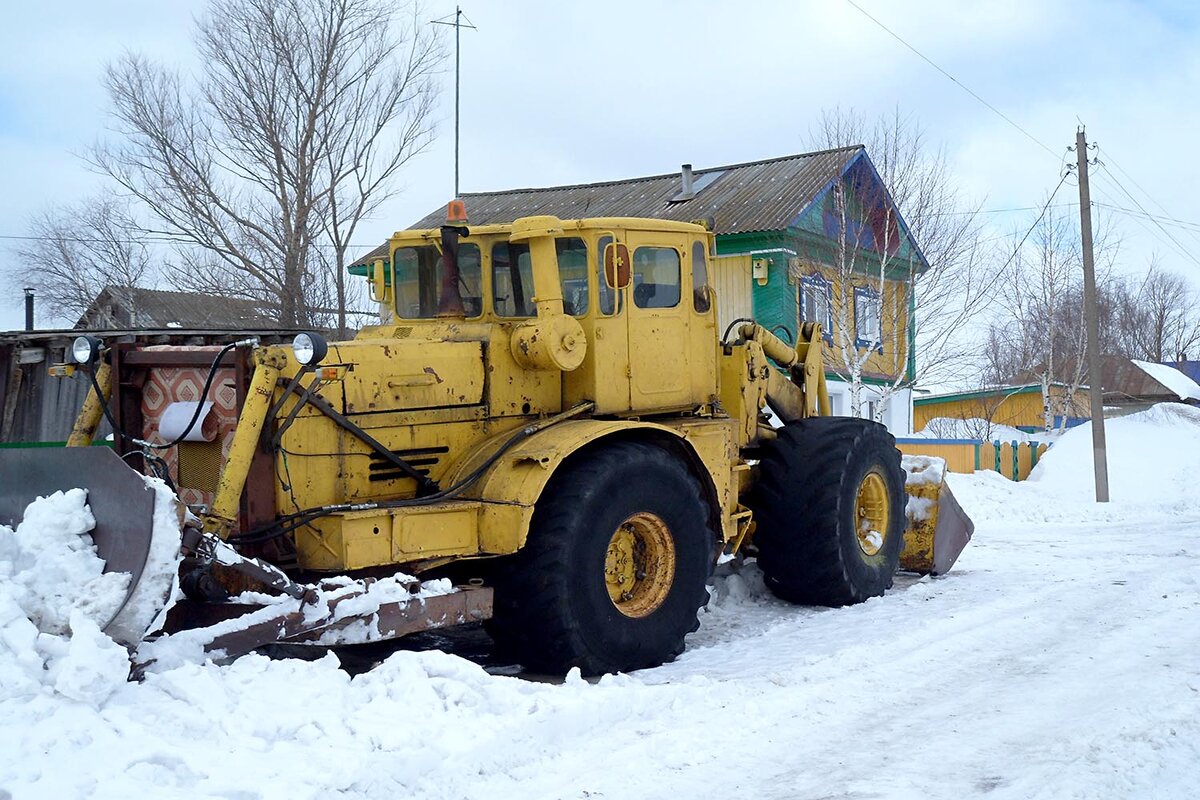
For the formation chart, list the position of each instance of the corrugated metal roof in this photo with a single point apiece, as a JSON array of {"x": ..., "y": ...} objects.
[
  {"x": 755, "y": 196},
  {"x": 126, "y": 306}
]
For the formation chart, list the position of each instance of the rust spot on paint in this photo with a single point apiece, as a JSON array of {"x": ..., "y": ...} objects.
[{"x": 429, "y": 371}]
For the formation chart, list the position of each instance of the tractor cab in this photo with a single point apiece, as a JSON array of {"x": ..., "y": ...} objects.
[{"x": 615, "y": 311}]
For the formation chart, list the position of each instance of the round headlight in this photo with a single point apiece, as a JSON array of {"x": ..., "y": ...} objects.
[
  {"x": 309, "y": 348},
  {"x": 85, "y": 349}
]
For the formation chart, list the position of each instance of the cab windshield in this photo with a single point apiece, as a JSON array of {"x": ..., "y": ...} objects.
[{"x": 418, "y": 276}]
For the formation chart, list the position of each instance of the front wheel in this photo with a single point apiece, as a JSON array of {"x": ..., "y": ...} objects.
[
  {"x": 614, "y": 569},
  {"x": 829, "y": 511}
]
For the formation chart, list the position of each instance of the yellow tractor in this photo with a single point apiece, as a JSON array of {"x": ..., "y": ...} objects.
[{"x": 548, "y": 416}]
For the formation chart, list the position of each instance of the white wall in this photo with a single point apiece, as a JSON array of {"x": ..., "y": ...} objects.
[{"x": 897, "y": 412}]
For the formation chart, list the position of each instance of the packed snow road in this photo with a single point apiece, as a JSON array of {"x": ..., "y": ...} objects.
[{"x": 1060, "y": 658}]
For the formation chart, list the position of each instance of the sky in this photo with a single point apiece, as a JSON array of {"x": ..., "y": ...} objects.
[{"x": 569, "y": 93}]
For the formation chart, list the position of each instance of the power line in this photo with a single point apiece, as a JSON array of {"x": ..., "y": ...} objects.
[
  {"x": 1046, "y": 207},
  {"x": 998, "y": 210},
  {"x": 1178, "y": 223},
  {"x": 1187, "y": 253},
  {"x": 143, "y": 240},
  {"x": 955, "y": 80},
  {"x": 1108, "y": 159}
]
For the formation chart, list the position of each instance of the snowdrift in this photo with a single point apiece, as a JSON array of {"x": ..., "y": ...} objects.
[{"x": 1153, "y": 457}]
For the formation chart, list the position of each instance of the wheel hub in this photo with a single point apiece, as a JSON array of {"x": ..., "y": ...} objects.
[
  {"x": 872, "y": 513},
  {"x": 639, "y": 566}
]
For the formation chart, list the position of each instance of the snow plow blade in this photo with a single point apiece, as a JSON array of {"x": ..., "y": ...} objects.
[
  {"x": 331, "y": 614},
  {"x": 120, "y": 500},
  {"x": 938, "y": 528}
]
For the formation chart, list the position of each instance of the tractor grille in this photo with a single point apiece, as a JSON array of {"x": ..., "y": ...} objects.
[
  {"x": 422, "y": 459},
  {"x": 199, "y": 465}
]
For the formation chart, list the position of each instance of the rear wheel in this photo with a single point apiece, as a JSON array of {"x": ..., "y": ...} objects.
[
  {"x": 614, "y": 569},
  {"x": 829, "y": 511}
]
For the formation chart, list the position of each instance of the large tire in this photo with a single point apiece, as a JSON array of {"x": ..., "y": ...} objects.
[
  {"x": 829, "y": 510},
  {"x": 614, "y": 568}
]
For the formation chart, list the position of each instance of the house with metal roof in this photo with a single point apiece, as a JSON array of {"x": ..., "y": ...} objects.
[
  {"x": 781, "y": 226},
  {"x": 131, "y": 307}
]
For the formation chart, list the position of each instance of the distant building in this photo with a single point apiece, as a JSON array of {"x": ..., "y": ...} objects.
[
  {"x": 131, "y": 308},
  {"x": 1019, "y": 406}
]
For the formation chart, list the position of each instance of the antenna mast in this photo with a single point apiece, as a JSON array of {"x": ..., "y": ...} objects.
[{"x": 458, "y": 26}]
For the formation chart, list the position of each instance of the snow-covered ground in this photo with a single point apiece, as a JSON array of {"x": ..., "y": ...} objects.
[{"x": 1060, "y": 658}]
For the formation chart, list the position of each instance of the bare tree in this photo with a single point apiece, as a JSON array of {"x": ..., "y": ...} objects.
[
  {"x": 1039, "y": 334},
  {"x": 302, "y": 114},
  {"x": 975, "y": 420},
  {"x": 1156, "y": 317},
  {"x": 937, "y": 301},
  {"x": 74, "y": 251}
]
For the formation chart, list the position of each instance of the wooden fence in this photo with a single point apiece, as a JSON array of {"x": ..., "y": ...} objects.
[{"x": 1013, "y": 460}]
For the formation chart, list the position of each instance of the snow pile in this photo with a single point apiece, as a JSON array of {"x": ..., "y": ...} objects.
[
  {"x": 349, "y": 601},
  {"x": 923, "y": 470},
  {"x": 53, "y": 601},
  {"x": 157, "y": 587},
  {"x": 51, "y": 565},
  {"x": 1153, "y": 457}
]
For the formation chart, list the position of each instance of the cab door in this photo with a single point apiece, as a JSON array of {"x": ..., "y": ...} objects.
[{"x": 658, "y": 322}]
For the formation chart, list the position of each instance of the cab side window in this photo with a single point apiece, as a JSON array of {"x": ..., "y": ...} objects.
[
  {"x": 656, "y": 277},
  {"x": 701, "y": 291},
  {"x": 573, "y": 272},
  {"x": 610, "y": 299},
  {"x": 512, "y": 280}
]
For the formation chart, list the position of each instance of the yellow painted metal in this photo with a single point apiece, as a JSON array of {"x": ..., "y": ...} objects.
[
  {"x": 919, "y": 537},
  {"x": 224, "y": 509},
  {"x": 871, "y": 513},
  {"x": 519, "y": 476},
  {"x": 553, "y": 341},
  {"x": 362, "y": 539},
  {"x": 92, "y": 412},
  {"x": 639, "y": 567}
]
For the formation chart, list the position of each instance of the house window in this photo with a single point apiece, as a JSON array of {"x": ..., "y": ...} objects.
[
  {"x": 866, "y": 319},
  {"x": 816, "y": 302}
]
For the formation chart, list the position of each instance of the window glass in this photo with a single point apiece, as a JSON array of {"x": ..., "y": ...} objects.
[
  {"x": 610, "y": 299},
  {"x": 470, "y": 278},
  {"x": 815, "y": 302},
  {"x": 866, "y": 317},
  {"x": 573, "y": 272},
  {"x": 656, "y": 277},
  {"x": 418, "y": 278},
  {"x": 512, "y": 280},
  {"x": 701, "y": 294}
]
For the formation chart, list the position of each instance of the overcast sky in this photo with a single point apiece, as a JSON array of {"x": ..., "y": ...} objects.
[{"x": 559, "y": 93}]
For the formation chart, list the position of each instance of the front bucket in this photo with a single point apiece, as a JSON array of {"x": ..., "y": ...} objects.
[
  {"x": 938, "y": 528},
  {"x": 119, "y": 498}
]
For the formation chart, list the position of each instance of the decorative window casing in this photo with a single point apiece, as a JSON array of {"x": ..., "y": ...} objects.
[
  {"x": 867, "y": 319},
  {"x": 816, "y": 302}
]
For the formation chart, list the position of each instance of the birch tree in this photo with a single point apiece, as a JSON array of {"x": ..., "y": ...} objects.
[
  {"x": 938, "y": 300},
  {"x": 300, "y": 117},
  {"x": 1039, "y": 334}
]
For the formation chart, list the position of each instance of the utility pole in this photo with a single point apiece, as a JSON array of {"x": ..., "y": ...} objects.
[
  {"x": 1095, "y": 390},
  {"x": 458, "y": 26}
]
